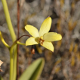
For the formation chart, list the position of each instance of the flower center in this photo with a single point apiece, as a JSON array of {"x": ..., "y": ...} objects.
[{"x": 41, "y": 41}]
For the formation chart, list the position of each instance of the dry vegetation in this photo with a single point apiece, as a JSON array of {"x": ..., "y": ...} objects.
[{"x": 64, "y": 62}]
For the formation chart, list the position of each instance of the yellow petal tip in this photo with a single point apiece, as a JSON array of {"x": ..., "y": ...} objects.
[
  {"x": 49, "y": 19},
  {"x": 60, "y": 37},
  {"x": 32, "y": 30}
]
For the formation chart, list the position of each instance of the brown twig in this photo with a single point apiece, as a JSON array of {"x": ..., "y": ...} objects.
[
  {"x": 18, "y": 40},
  {"x": 18, "y": 20},
  {"x": 23, "y": 36}
]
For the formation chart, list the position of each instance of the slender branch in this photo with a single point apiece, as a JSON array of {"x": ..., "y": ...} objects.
[
  {"x": 23, "y": 36},
  {"x": 15, "y": 42},
  {"x": 18, "y": 20},
  {"x": 18, "y": 16},
  {"x": 3, "y": 41},
  {"x": 13, "y": 36},
  {"x": 20, "y": 43},
  {"x": 11, "y": 65},
  {"x": 12, "y": 33}
]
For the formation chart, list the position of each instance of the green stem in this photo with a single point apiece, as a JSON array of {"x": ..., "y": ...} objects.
[
  {"x": 13, "y": 57},
  {"x": 8, "y": 20},
  {"x": 3, "y": 41},
  {"x": 13, "y": 51},
  {"x": 11, "y": 66},
  {"x": 20, "y": 43},
  {"x": 15, "y": 62}
]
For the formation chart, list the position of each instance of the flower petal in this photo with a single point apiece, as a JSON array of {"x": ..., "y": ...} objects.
[
  {"x": 45, "y": 27},
  {"x": 32, "y": 30},
  {"x": 48, "y": 45},
  {"x": 52, "y": 36},
  {"x": 31, "y": 41}
]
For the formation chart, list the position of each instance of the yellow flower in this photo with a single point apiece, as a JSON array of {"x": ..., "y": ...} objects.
[{"x": 43, "y": 36}]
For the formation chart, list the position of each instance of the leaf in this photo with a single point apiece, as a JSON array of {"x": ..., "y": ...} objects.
[{"x": 33, "y": 71}]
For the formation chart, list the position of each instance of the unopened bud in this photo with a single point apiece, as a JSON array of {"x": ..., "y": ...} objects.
[
  {"x": 1, "y": 62},
  {"x": 0, "y": 66},
  {"x": 1, "y": 70},
  {"x": 32, "y": 51}
]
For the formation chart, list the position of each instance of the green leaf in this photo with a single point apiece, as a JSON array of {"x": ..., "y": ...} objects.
[
  {"x": 1, "y": 78},
  {"x": 33, "y": 71}
]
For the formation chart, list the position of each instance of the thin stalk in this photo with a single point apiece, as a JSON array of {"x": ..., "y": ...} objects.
[
  {"x": 20, "y": 43},
  {"x": 17, "y": 41},
  {"x": 15, "y": 62},
  {"x": 12, "y": 33},
  {"x": 13, "y": 50},
  {"x": 11, "y": 66},
  {"x": 18, "y": 20},
  {"x": 3, "y": 41}
]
